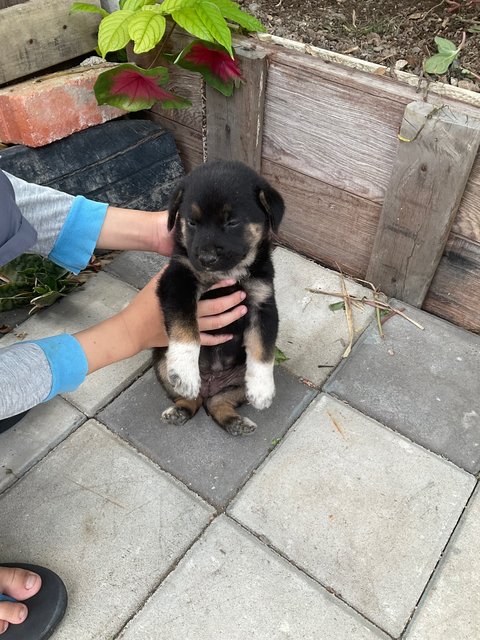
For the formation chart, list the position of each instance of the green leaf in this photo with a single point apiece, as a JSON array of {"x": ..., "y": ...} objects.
[
  {"x": 135, "y": 5},
  {"x": 86, "y": 6},
  {"x": 212, "y": 18},
  {"x": 231, "y": 11},
  {"x": 445, "y": 46},
  {"x": 113, "y": 31},
  {"x": 169, "y": 6},
  {"x": 439, "y": 63},
  {"x": 146, "y": 29},
  {"x": 279, "y": 356},
  {"x": 189, "y": 20},
  {"x": 336, "y": 306}
]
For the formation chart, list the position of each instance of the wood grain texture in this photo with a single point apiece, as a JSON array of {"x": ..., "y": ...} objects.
[
  {"x": 188, "y": 85},
  {"x": 235, "y": 123},
  {"x": 324, "y": 222},
  {"x": 41, "y": 33},
  {"x": 467, "y": 222},
  {"x": 329, "y": 131},
  {"x": 455, "y": 290},
  {"x": 189, "y": 142},
  {"x": 429, "y": 175}
]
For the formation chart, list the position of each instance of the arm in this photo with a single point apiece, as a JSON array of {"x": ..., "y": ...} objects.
[{"x": 61, "y": 363}]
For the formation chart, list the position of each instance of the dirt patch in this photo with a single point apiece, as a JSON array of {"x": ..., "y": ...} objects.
[{"x": 381, "y": 31}]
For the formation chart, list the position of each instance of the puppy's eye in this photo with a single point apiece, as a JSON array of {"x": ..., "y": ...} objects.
[
  {"x": 191, "y": 222},
  {"x": 232, "y": 223}
]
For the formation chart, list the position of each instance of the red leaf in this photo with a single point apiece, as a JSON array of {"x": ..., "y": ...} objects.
[
  {"x": 218, "y": 61},
  {"x": 138, "y": 87}
]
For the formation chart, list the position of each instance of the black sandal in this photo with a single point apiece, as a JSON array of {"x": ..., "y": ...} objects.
[{"x": 45, "y": 609}]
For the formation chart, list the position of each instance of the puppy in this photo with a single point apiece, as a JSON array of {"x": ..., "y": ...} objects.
[{"x": 224, "y": 214}]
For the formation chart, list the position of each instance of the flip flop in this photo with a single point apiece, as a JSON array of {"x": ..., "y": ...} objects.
[{"x": 45, "y": 609}]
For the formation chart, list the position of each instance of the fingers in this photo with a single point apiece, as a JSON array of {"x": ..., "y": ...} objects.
[
  {"x": 223, "y": 283},
  {"x": 207, "y": 323},
  {"x": 219, "y": 305},
  {"x": 208, "y": 340}
]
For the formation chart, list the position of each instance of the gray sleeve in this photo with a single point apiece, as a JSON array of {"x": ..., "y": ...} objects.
[
  {"x": 20, "y": 389},
  {"x": 44, "y": 208}
]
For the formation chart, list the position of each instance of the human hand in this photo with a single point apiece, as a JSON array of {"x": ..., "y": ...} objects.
[{"x": 141, "y": 325}]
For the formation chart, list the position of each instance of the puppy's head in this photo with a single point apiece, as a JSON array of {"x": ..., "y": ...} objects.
[{"x": 222, "y": 211}]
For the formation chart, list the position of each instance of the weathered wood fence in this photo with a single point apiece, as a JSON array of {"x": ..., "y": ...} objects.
[{"x": 379, "y": 180}]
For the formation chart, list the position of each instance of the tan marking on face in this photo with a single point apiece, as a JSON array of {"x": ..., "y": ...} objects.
[
  {"x": 197, "y": 213},
  {"x": 253, "y": 233}
]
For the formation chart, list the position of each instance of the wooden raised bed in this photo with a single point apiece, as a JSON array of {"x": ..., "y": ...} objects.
[{"x": 330, "y": 144}]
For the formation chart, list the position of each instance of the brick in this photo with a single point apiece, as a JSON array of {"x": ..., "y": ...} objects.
[{"x": 41, "y": 110}]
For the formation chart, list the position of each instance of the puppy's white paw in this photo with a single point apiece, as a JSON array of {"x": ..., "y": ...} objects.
[
  {"x": 182, "y": 368},
  {"x": 260, "y": 387}
]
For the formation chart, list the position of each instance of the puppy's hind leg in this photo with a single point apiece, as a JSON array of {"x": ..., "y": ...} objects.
[
  {"x": 222, "y": 409},
  {"x": 182, "y": 410}
]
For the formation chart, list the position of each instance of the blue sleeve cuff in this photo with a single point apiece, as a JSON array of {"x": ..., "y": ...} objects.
[
  {"x": 78, "y": 237},
  {"x": 67, "y": 361}
]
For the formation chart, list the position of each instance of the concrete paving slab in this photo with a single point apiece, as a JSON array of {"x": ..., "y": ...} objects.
[
  {"x": 104, "y": 518},
  {"x": 450, "y": 608},
  {"x": 312, "y": 336},
  {"x": 101, "y": 297},
  {"x": 136, "y": 267},
  {"x": 425, "y": 384},
  {"x": 34, "y": 436},
  {"x": 359, "y": 507},
  {"x": 201, "y": 454},
  {"x": 230, "y": 585}
]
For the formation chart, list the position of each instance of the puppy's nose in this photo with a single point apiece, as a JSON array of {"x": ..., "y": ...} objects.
[{"x": 208, "y": 258}]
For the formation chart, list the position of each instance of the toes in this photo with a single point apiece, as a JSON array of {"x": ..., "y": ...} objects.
[
  {"x": 240, "y": 426},
  {"x": 12, "y": 612},
  {"x": 19, "y": 583},
  {"x": 175, "y": 415}
]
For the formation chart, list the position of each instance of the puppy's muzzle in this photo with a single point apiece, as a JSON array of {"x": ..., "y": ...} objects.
[{"x": 208, "y": 258}]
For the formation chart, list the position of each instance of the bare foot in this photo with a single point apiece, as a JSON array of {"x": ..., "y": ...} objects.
[{"x": 19, "y": 584}]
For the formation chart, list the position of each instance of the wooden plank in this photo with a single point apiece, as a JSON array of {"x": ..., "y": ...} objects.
[
  {"x": 10, "y": 3},
  {"x": 235, "y": 124},
  {"x": 41, "y": 33},
  {"x": 188, "y": 85},
  {"x": 189, "y": 142},
  {"x": 329, "y": 131},
  {"x": 455, "y": 290},
  {"x": 467, "y": 222},
  {"x": 324, "y": 222},
  {"x": 428, "y": 179}
]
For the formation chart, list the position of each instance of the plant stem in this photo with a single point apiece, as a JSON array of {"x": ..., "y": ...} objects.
[{"x": 162, "y": 47}]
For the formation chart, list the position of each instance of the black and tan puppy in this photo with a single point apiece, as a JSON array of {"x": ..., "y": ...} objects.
[{"x": 223, "y": 213}]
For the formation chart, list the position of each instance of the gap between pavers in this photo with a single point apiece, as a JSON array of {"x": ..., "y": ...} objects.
[
  {"x": 34, "y": 436},
  {"x": 311, "y": 335},
  {"x": 357, "y": 506},
  {"x": 450, "y": 607},
  {"x": 201, "y": 454},
  {"x": 230, "y": 585},
  {"x": 425, "y": 384},
  {"x": 107, "y": 520},
  {"x": 101, "y": 297}
]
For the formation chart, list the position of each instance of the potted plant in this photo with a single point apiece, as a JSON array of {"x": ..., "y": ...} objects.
[{"x": 148, "y": 25}]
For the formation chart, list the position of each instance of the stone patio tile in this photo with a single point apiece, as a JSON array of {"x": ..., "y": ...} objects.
[
  {"x": 450, "y": 608},
  {"x": 425, "y": 384},
  {"x": 201, "y": 454},
  {"x": 104, "y": 518},
  {"x": 34, "y": 436},
  {"x": 230, "y": 585},
  {"x": 312, "y": 336},
  {"x": 136, "y": 267},
  {"x": 359, "y": 507},
  {"x": 101, "y": 297}
]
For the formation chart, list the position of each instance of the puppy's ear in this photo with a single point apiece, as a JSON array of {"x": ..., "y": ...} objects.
[
  {"x": 175, "y": 202},
  {"x": 272, "y": 203}
]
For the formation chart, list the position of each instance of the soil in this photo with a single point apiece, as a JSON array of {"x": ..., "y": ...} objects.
[{"x": 386, "y": 32}]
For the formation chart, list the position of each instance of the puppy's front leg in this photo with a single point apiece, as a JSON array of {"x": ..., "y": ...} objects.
[
  {"x": 178, "y": 295},
  {"x": 260, "y": 338}
]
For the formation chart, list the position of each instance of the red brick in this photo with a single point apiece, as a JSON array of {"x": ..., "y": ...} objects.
[{"x": 42, "y": 110}]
